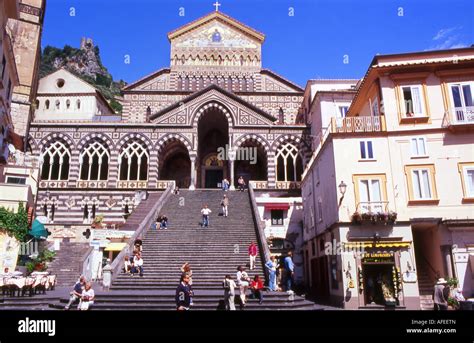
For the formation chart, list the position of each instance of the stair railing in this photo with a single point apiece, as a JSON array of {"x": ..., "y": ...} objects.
[
  {"x": 145, "y": 224},
  {"x": 85, "y": 264},
  {"x": 260, "y": 225}
]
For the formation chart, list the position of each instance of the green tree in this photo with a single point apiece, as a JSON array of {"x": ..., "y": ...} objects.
[{"x": 15, "y": 224}]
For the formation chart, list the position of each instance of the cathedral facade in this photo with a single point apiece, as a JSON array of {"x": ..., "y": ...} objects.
[{"x": 214, "y": 113}]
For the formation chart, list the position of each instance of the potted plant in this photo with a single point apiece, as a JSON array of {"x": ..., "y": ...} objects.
[
  {"x": 392, "y": 217},
  {"x": 367, "y": 216},
  {"x": 356, "y": 218},
  {"x": 97, "y": 223}
]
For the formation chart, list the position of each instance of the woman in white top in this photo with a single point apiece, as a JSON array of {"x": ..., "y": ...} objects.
[
  {"x": 243, "y": 281},
  {"x": 229, "y": 293},
  {"x": 87, "y": 298}
]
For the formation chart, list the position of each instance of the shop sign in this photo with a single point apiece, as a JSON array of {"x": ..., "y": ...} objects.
[{"x": 378, "y": 257}]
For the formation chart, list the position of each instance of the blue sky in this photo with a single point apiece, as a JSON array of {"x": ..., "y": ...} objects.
[{"x": 310, "y": 44}]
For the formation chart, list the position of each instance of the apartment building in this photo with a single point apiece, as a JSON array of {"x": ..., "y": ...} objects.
[{"x": 388, "y": 192}]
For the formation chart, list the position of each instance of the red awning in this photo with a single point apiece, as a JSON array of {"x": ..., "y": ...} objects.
[{"x": 276, "y": 206}]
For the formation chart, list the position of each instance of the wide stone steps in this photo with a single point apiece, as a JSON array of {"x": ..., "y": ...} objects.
[
  {"x": 210, "y": 251},
  {"x": 203, "y": 300}
]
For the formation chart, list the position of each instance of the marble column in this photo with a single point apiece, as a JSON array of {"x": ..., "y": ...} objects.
[
  {"x": 192, "y": 186},
  {"x": 232, "y": 175}
]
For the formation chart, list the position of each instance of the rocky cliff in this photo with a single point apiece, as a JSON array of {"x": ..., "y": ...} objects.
[{"x": 85, "y": 63}]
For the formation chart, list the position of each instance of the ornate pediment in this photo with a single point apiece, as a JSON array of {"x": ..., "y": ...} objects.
[
  {"x": 215, "y": 34},
  {"x": 238, "y": 111}
]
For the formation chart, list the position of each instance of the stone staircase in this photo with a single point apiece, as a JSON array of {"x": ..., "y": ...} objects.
[
  {"x": 212, "y": 252},
  {"x": 140, "y": 212},
  {"x": 425, "y": 287},
  {"x": 67, "y": 265}
]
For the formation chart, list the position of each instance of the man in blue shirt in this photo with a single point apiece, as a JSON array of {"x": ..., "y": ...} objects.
[
  {"x": 183, "y": 294},
  {"x": 289, "y": 270},
  {"x": 76, "y": 292}
]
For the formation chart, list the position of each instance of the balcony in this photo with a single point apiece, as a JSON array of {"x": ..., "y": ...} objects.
[
  {"x": 373, "y": 212},
  {"x": 358, "y": 124},
  {"x": 459, "y": 118},
  {"x": 12, "y": 194}
]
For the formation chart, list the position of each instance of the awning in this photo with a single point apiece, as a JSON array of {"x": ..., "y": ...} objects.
[
  {"x": 38, "y": 230},
  {"x": 115, "y": 246},
  {"x": 276, "y": 206},
  {"x": 471, "y": 260},
  {"x": 366, "y": 244}
]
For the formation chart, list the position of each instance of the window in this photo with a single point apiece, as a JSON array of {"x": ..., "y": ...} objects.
[
  {"x": 56, "y": 162},
  {"x": 412, "y": 101},
  {"x": 370, "y": 193},
  {"x": 134, "y": 162},
  {"x": 16, "y": 180},
  {"x": 342, "y": 111},
  {"x": 289, "y": 165},
  {"x": 418, "y": 147},
  {"x": 78, "y": 104},
  {"x": 58, "y": 104},
  {"x": 462, "y": 96},
  {"x": 320, "y": 210},
  {"x": 94, "y": 162},
  {"x": 68, "y": 104},
  {"x": 375, "y": 107},
  {"x": 46, "y": 105},
  {"x": 366, "y": 150},
  {"x": 277, "y": 217},
  {"x": 467, "y": 178},
  {"x": 421, "y": 184}
]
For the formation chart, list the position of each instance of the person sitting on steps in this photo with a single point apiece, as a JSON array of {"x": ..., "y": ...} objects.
[
  {"x": 241, "y": 184},
  {"x": 137, "y": 264},
  {"x": 76, "y": 292}
]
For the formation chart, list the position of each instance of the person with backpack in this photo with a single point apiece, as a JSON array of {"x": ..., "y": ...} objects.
[{"x": 229, "y": 293}]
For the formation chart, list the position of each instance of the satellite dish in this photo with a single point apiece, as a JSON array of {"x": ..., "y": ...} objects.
[{"x": 11, "y": 148}]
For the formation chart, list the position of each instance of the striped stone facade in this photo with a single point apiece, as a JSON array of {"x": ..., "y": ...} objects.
[{"x": 157, "y": 115}]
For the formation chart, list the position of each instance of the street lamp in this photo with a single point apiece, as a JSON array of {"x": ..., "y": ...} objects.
[{"x": 342, "y": 188}]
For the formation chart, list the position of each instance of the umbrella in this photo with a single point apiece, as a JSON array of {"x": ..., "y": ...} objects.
[{"x": 38, "y": 230}]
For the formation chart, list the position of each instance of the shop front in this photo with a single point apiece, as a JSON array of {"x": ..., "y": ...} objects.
[{"x": 379, "y": 278}]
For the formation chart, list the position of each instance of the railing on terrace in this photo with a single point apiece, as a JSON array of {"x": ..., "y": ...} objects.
[
  {"x": 459, "y": 116},
  {"x": 358, "y": 124}
]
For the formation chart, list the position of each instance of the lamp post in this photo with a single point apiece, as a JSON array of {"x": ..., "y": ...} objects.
[{"x": 342, "y": 189}]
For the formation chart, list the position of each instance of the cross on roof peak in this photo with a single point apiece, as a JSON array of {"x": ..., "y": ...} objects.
[{"x": 217, "y": 4}]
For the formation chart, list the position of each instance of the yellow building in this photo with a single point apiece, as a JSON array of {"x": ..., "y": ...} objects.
[{"x": 395, "y": 179}]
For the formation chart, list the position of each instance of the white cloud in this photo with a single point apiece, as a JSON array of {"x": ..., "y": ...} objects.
[
  {"x": 444, "y": 32},
  {"x": 448, "y": 39}
]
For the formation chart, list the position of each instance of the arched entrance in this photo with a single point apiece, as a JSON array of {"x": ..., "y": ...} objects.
[
  {"x": 213, "y": 136},
  {"x": 251, "y": 162},
  {"x": 175, "y": 164}
]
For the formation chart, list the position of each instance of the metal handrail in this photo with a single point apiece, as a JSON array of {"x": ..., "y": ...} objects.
[
  {"x": 144, "y": 225},
  {"x": 263, "y": 246}
]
